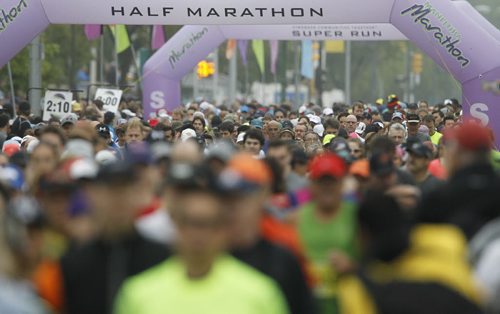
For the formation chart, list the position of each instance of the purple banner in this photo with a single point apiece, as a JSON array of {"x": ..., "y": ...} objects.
[
  {"x": 274, "y": 54},
  {"x": 157, "y": 37},
  {"x": 243, "y": 48},
  {"x": 21, "y": 21},
  {"x": 93, "y": 31}
]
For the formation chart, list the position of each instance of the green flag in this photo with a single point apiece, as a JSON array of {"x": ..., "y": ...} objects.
[
  {"x": 121, "y": 37},
  {"x": 258, "y": 50}
]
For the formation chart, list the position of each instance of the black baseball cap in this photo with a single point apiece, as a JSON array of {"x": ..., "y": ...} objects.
[
  {"x": 419, "y": 149},
  {"x": 413, "y": 118}
]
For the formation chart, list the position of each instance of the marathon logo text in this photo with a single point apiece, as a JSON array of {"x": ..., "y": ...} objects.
[
  {"x": 8, "y": 16},
  {"x": 219, "y": 12},
  {"x": 421, "y": 12},
  {"x": 176, "y": 55}
]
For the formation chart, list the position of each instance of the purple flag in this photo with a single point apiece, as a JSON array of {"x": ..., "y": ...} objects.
[
  {"x": 93, "y": 31},
  {"x": 274, "y": 54},
  {"x": 158, "y": 37},
  {"x": 242, "y": 46}
]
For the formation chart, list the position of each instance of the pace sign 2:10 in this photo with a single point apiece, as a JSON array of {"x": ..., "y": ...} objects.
[
  {"x": 110, "y": 97},
  {"x": 57, "y": 104}
]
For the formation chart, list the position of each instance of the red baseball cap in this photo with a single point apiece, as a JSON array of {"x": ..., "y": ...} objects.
[
  {"x": 471, "y": 136},
  {"x": 327, "y": 165},
  {"x": 11, "y": 148}
]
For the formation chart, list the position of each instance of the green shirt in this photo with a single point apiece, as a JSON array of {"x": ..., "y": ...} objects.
[
  {"x": 230, "y": 287},
  {"x": 436, "y": 137},
  {"x": 320, "y": 238}
]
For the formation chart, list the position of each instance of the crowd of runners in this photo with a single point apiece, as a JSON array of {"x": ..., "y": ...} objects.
[{"x": 249, "y": 208}]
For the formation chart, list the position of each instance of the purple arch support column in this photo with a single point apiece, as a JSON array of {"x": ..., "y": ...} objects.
[
  {"x": 21, "y": 21},
  {"x": 164, "y": 71},
  {"x": 468, "y": 51}
]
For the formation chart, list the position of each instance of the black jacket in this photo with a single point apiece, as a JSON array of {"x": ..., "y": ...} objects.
[
  {"x": 469, "y": 200},
  {"x": 282, "y": 266},
  {"x": 93, "y": 273}
]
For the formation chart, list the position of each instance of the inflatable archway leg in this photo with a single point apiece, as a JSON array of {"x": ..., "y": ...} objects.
[
  {"x": 161, "y": 93},
  {"x": 20, "y": 22},
  {"x": 164, "y": 71},
  {"x": 481, "y": 97},
  {"x": 465, "y": 48}
]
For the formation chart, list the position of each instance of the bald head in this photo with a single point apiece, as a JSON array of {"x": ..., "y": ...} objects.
[
  {"x": 273, "y": 129},
  {"x": 351, "y": 123},
  {"x": 188, "y": 151}
]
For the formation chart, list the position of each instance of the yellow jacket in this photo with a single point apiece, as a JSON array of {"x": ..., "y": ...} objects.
[{"x": 437, "y": 253}]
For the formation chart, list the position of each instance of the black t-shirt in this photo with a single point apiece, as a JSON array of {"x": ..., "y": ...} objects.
[
  {"x": 282, "y": 266},
  {"x": 430, "y": 184},
  {"x": 93, "y": 273},
  {"x": 404, "y": 177}
]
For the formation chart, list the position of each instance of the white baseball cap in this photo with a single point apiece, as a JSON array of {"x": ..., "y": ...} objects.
[
  {"x": 319, "y": 129},
  {"x": 327, "y": 111},
  {"x": 187, "y": 134},
  {"x": 314, "y": 119}
]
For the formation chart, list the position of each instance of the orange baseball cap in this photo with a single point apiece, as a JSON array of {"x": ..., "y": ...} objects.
[{"x": 245, "y": 173}]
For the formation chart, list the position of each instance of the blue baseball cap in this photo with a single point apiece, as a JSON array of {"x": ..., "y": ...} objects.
[{"x": 257, "y": 123}]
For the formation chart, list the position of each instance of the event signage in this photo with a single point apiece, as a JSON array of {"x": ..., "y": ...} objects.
[
  {"x": 215, "y": 12},
  {"x": 56, "y": 104},
  {"x": 110, "y": 97}
]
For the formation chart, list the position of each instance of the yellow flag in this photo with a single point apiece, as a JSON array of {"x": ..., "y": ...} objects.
[
  {"x": 334, "y": 46},
  {"x": 121, "y": 37},
  {"x": 258, "y": 50}
]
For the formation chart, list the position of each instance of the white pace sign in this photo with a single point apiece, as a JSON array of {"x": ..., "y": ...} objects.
[
  {"x": 57, "y": 104},
  {"x": 110, "y": 97}
]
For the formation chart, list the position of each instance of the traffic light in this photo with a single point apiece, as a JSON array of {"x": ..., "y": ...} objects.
[
  {"x": 418, "y": 63},
  {"x": 205, "y": 69}
]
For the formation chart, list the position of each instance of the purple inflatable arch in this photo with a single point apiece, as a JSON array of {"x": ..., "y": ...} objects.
[{"x": 452, "y": 33}]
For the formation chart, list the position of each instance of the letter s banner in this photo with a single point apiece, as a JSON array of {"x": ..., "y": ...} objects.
[
  {"x": 477, "y": 111},
  {"x": 481, "y": 101},
  {"x": 157, "y": 100}
]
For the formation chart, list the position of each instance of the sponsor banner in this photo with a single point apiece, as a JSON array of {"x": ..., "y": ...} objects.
[
  {"x": 353, "y": 32},
  {"x": 20, "y": 22},
  {"x": 57, "y": 104},
  {"x": 195, "y": 12}
]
